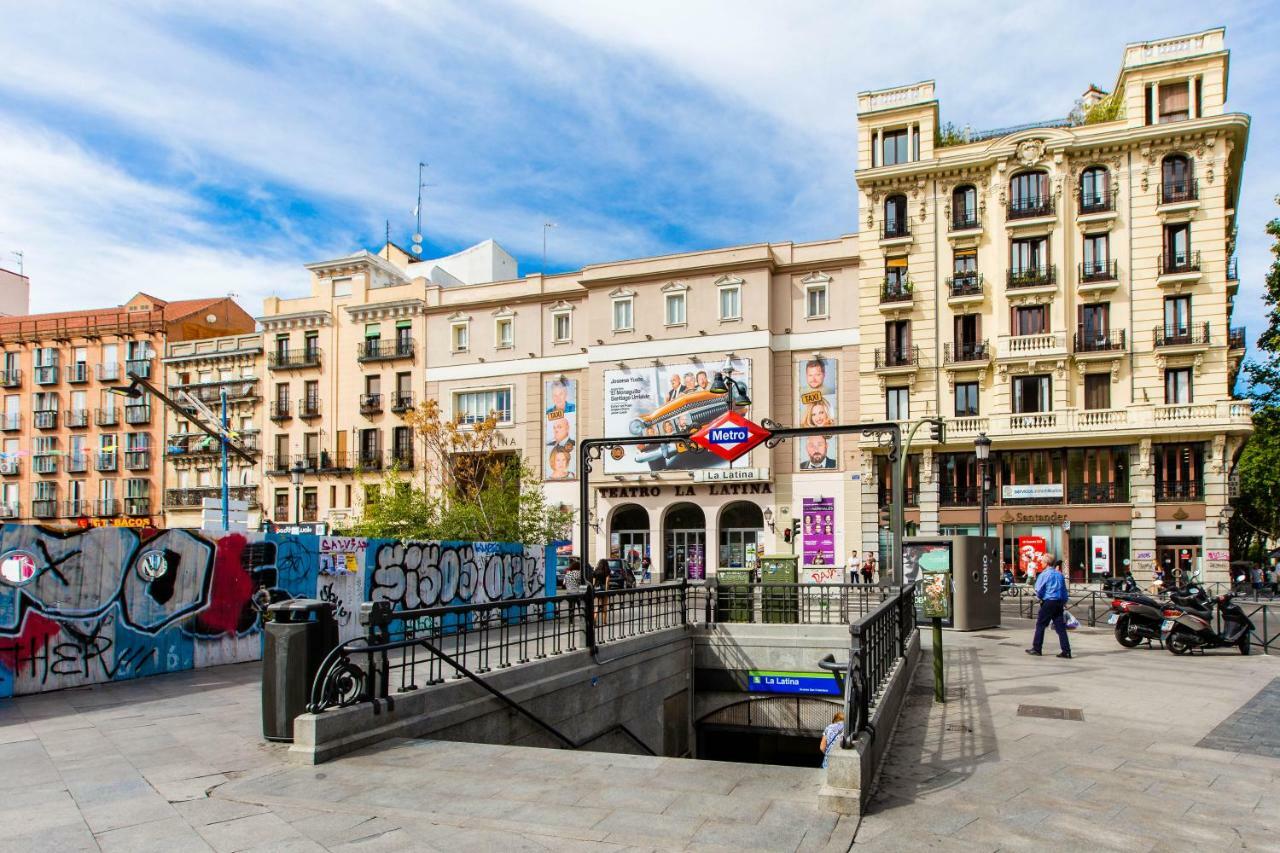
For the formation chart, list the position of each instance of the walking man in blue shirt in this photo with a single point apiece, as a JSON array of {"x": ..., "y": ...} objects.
[{"x": 1051, "y": 589}]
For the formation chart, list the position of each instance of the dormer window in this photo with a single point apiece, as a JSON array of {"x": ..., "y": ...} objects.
[
  {"x": 1174, "y": 101},
  {"x": 893, "y": 147}
]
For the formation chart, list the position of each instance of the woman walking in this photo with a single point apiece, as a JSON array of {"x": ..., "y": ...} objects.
[{"x": 599, "y": 583}]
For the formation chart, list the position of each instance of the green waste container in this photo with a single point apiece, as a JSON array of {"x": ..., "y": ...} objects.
[
  {"x": 780, "y": 599},
  {"x": 733, "y": 595}
]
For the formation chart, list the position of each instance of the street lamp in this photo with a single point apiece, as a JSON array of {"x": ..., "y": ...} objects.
[
  {"x": 1224, "y": 518},
  {"x": 296, "y": 473},
  {"x": 735, "y": 388},
  {"x": 982, "y": 448}
]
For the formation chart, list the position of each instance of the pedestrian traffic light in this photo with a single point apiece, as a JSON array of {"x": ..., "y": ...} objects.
[
  {"x": 938, "y": 430},
  {"x": 786, "y": 534}
]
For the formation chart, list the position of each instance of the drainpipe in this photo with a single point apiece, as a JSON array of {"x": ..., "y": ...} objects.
[{"x": 1133, "y": 337}]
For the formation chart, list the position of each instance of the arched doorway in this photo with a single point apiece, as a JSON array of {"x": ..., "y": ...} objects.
[
  {"x": 629, "y": 533},
  {"x": 684, "y": 535},
  {"x": 741, "y": 533}
]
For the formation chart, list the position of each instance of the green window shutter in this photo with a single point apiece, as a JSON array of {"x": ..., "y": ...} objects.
[
  {"x": 373, "y": 330},
  {"x": 404, "y": 324}
]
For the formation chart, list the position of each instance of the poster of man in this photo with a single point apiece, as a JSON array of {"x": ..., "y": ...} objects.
[
  {"x": 819, "y": 454},
  {"x": 816, "y": 405},
  {"x": 560, "y": 430},
  {"x": 662, "y": 401}
]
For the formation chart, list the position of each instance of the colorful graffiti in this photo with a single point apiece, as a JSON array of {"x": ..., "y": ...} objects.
[{"x": 113, "y": 603}]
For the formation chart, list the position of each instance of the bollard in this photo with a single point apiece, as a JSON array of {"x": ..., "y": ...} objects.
[{"x": 939, "y": 689}]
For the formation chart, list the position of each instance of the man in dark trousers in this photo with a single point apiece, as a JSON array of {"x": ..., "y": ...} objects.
[{"x": 1051, "y": 589}]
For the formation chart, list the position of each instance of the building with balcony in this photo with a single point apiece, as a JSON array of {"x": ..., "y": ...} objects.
[
  {"x": 199, "y": 374},
  {"x": 71, "y": 448},
  {"x": 1104, "y": 241}
]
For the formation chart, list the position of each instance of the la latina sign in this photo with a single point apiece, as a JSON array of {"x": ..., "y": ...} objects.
[{"x": 730, "y": 436}]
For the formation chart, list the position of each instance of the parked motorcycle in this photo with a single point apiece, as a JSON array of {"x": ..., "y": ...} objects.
[
  {"x": 1186, "y": 628},
  {"x": 1139, "y": 617}
]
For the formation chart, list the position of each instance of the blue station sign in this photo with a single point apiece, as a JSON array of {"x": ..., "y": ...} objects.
[{"x": 769, "y": 681}]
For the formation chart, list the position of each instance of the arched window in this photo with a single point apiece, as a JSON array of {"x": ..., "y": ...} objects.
[
  {"x": 1095, "y": 190},
  {"x": 964, "y": 207},
  {"x": 895, "y": 216},
  {"x": 1029, "y": 195},
  {"x": 1177, "y": 182}
]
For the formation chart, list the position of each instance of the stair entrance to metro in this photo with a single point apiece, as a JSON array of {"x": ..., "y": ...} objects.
[{"x": 782, "y": 730}]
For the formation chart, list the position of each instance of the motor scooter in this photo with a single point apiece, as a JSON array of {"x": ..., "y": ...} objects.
[
  {"x": 1186, "y": 628},
  {"x": 1139, "y": 617}
]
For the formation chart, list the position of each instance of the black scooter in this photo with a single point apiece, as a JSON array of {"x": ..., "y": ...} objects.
[
  {"x": 1186, "y": 628},
  {"x": 1138, "y": 618}
]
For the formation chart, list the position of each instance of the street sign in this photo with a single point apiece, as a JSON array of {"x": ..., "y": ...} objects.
[{"x": 730, "y": 436}]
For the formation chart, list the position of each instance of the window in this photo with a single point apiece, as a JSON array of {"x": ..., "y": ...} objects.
[
  {"x": 281, "y": 505},
  {"x": 1097, "y": 255},
  {"x": 561, "y": 327},
  {"x": 460, "y": 336},
  {"x": 372, "y": 336},
  {"x": 893, "y": 147},
  {"x": 1095, "y": 326},
  {"x": 342, "y": 287},
  {"x": 1032, "y": 394},
  {"x": 1177, "y": 316},
  {"x": 282, "y": 395},
  {"x": 311, "y": 345},
  {"x": 968, "y": 337},
  {"x": 966, "y": 399},
  {"x": 1177, "y": 385},
  {"x": 1029, "y": 194},
  {"x": 1029, "y": 256},
  {"x": 473, "y": 407},
  {"x": 815, "y": 301},
  {"x": 106, "y": 490},
  {"x": 896, "y": 280},
  {"x": 897, "y": 340},
  {"x": 1097, "y": 390},
  {"x": 1030, "y": 320},
  {"x": 311, "y": 400},
  {"x": 310, "y": 504},
  {"x": 1174, "y": 101},
  {"x": 964, "y": 207},
  {"x": 730, "y": 302},
  {"x": 965, "y": 264},
  {"x": 675, "y": 309},
  {"x": 504, "y": 333},
  {"x": 282, "y": 347},
  {"x": 282, "y": 452},
  {"x": 895, "y": 216},
  {"x": 623, "y": 321},
  {"x": 897, "y": 404},
  {"x": 1093, "y": 189},
  {"x": 1177, "y": 248},
  {"x": 373, "y": 385},
  {"x": 1179, "y": 471},
  {"x": 404, "y": 336},
  {"x": 370, "y": 448},
  {"x": 1176, "y": 179}
]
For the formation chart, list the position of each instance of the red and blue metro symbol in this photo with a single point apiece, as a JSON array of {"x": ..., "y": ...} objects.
[{"x": 730, "y": 436}]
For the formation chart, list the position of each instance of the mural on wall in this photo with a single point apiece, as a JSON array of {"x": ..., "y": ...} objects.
[
  {"x": 560, "y": 430},
  {"x": 817, "y": 400},
  {"x": 108, "y": 604},
  {"x": 662, "y": 400}
]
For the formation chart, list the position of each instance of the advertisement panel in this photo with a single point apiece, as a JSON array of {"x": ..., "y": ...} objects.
[
  {"x": 1101, "y": 555},
  {"x": 560, "y": 430},
  {"x": 663, "y": 400},
  {"x": 1032, "y": 555},
  {"x": 817, "y": 531},
  {"x": 817, "y": 401}
]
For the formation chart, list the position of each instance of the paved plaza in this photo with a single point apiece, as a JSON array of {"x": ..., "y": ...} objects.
[{"x": 176, "y": 763}]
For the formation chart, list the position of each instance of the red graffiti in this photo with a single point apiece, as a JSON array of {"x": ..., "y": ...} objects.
[
  {"x": 36, "y": 629},
  {"x": 232, "y": 586}
]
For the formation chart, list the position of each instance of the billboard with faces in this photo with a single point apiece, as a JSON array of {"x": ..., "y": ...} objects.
[
  {"x": 560, "y": 429},
  {"x": 816, "y": 405}
]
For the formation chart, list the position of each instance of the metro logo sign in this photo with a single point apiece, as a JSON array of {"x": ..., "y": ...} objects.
[{"x": 730, "y": 436}]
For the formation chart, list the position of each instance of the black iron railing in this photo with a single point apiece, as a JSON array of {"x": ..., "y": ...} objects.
[
  {"x": 380, "y": 350},
  {"x": 195, "y": 497},
  {"x": 1098, "y": 493},
  {"x": 896, "y": 290},
  {"x": 45, "y": 418},
  {"x": 401, "y": 402},
  {"x": 894, "y": 228},
  {"x": 370, "y": 404},
  {"x": 1175, "y": 336},
  {"x": 371, "y": 460},
  {"x": 1172, "y": 192},
  {"x": 1180, "y": 490},
  {"x": 1172, "y": 263},
  {"x": 107, "y": 417},
  {"x": 965, "y": 221},
  {"x": 309, "y": 407},
  {"x": 78, "y": 417},
  {"x": 335, "y": 461},
  {"x": 910, "y": 495},
  {"x": 949, "y": 495},
  {"x": 900, "y": 357},
  {"x": 781, "y": 603},
  {"x": 1089, "y": 340},
  {"x": 106, "y": 508},
  {"x": 1236, "y": 338},
  {"x": 965, "y": 284},
  {"x": 280, "y": 410},
  {"x": 1099, "y": 271},
  {"x": 137, "y": 414},
  {"x": 1097, "y": 201},
  {"x": 965, "y": 351},
  {"x": 278, "y": 462},
  {"x": 287, "y": 360},
  {"x": 1032, "y": 277},
  {"x": 78, "y": 372},
  {"x": 1030, "y": 206},
  {"x": 402, "y": 457}
]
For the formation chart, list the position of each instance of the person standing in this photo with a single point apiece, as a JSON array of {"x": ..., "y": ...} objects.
[
  {"x": 1051, "y": 589},
  {"x": 646, "y": 565},
  {"x": 600, "y": 582},
  {"x": 831, "y": 736},
  {"x": 868, "y": 569}
]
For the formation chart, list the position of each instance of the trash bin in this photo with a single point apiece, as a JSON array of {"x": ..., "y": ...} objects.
[
  {"x": 780, "y": 597},
  {"x": 301, "y": 632},
  {"x": 734, "y": 596}
]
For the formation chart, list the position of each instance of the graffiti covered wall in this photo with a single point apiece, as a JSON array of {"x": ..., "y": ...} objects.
[{"x": 108, "y": 604}]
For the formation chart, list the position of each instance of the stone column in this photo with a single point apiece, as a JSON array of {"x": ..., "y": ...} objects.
[
  {"x": 1216, "y": 497},
  {"x": 1142, "y": 497},
  {"x": 870, "y": 506}
]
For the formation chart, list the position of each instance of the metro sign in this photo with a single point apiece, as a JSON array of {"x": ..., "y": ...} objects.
[{"x": 730, "y": 436}]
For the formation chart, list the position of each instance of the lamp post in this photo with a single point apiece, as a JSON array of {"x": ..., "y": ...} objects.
[
  {"x": 296, "y": 473},
  {"x": 1224, "y": 518}
]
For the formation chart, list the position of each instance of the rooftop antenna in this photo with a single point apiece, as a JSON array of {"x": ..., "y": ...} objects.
[
  {"x": 18, "y": 254},
  {"x": 386, "y": 246},
  {"x": 417, "y": 212},
  {"x": 545, "y": 227}
]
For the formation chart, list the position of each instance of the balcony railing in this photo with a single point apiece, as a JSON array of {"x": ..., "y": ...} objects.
[
  {"x": 78, "y": 418},
  {"x": 1236, "y": 338},
  {"x": 950, "y": 495},
  {"x": 1033, "y": 277},
  {"x": 1097, "y": 201},
  {"x": 965, "y": 221},
  {"x": 107, "y": 417},
  {"x": 963, "y": 352},
  {"x": 138, "y": 366},
  {"x": 241, "y": 389},
  {"x": 280, "y": 514},
  {"x": 196, "y": 496},
  {"x": 45, "y": 418},
  {"x": 1172, "y": 263},
  {"x": 78, "y": 372},
  {"x": 380, "y": 350},
  {"x": 1040, "y": 343},
  {"x": 108, "y": 372},
  {"x": 402, "y": 457},
  {"x": 1180, "y": 490},
  {"x": 106, "y": 508},
  {"x": 44, "y": 509},
  {"x": 1193, "y": 334},
  {"x": 278, "y": 462},
  {"x": 279, "y": 410},
  {"x": 1233, "y": 269},
  {"x": 309, "y": 357},
  {"x": 11, "y": 378},
  {"x": 9, "y": 423},
  {"x": 9, "y": 510},
  {"x": 1133, "y": 422},
  {"x": 47, "y": 375},
  {"x": 44, "y": 463},
  {"x": 137, "y": 414},
  {"x": 371, "y": 460},
  {"x": 10, "y": 467},
  {"x": 893, "y": 290},
  {"x": 370, "y": 404},
  {"x": 1098, "y": 493},
  {"x": 310, "y": 512},
  {"x": 910, "y": 495},
  {"x": 335, "y": 461},
  {"x": 903, "y": 357},
  {"x": 136, "y": 506},
  {"x": 401, "y": 402},
  {"x": 1178, "y": 191},
  {"x": 137, "y": 460},
  {"x": 892, "y": 229},
  {"x": 109, "y": 461},
  {"x": 1099, "y": 271},
  {"x": 1030, "y": 206},
  {"x": 965, "y": 284},
  {"x": 77, "y": 463},
  {"x": 1089, "y": 340},
  {"x": 74, "y": 509},
  {"x": 309, "y": 408}
]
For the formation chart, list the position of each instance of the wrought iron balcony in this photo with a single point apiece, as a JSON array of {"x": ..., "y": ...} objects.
[
  {"x": 108, "y": 372},
  {"x": 1233, "y": 269},
  {"x": 78, "y": 372},
  {"x": 78, "y": 418},
  {"x": 1029, "y": 207},
  {"x": 1098, "y": 493},
  {"x": 1179, "y": 262},
  {"x": 45, "y": 418},
  {"x": 195, "y": 497},
  {"x": 137, "y": 460},
  {"x": 309, "y": 357},
  {"x": 309, "y": 408},
  {"x": 911, "y": 495},
  {"x": 380, "y": 350},
  {"x": 371, "y": 460},
  {"x": 949, "y": 495},
  {"x": 11, "y": 378},
  {"x": 278, "y": 462},
  {"x": 138, "y": 366},
  {"x": 44, "y": 509},
  {"x": 964, "y": 352},
  {"x": 402, "y": 457},
  {"x": 74, "y": 509},
  {"x": 370, "y": 404},
  {"x": 107, "y": 417},
  {"x": 77, "y": 463},
  {"x": 1092, "y": 340},
  {"x": 135, "y": 414},
  {"x": 279, "y": 410},
  {"x": 962, "y": 221},
  {"x": 1174, "y": 192},
  {"x": 1236, "y": 338},
  {"x": 965, "y": 284},
  {"x": 1180, "y": 490},
  {"x": 9, "y": 423},
  {"x": 1097, "y": 201},
  {"x": 46, "y": 375},
  {"x": 1099, "y": 270},
  {"x": 401, "y": 402},
  {"x": 310, "y": 512},
  {"x": 335, "y": 461},
  {"x": 106, "y": 461},
  {"x": 44, "y": 463},
  {"x": 106, "y": 508},
  {"x": 137, "y": 506},
  {"x": 1192, "y": 334},
  {"x": 309, "y": 461},
  {"x": 897, "y": 357},
  {"x": 895, "y": 290},
  {"x": 892, "y": 229},
  {"x": 1033, "y": 277}
]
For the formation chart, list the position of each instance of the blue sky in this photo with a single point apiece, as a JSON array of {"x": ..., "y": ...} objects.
[{"x": 195, "y": 149}]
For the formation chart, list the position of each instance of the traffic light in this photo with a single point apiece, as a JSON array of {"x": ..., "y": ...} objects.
[
  {"x": 938, "y": 430},
  {"x": 792, "y": 531}
]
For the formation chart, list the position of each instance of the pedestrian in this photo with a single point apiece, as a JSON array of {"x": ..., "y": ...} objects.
[
  {"x": 646, "y": 565},
  {"x": 831, "y": 736},
  {"x": 1257, "y": 580},
  {"x": 869, "y": 569},
  {"x": 599, "y": 583},
  {"x": 573, "y": 577},
  {"x": 1051, "y": 589}
]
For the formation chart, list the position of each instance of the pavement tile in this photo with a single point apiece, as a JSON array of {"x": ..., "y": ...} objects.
[
  {"x": 160, "y": 836},
  {"x": 250, "y": 831}
]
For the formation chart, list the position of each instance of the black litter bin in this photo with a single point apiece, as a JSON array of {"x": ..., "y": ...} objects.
[{"x": 301, "y": 632}]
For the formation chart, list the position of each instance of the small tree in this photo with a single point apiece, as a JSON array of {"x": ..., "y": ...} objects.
[{"x": 1263, "y": 369}]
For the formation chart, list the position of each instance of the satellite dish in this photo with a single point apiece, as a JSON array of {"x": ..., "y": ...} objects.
[
  {"x": 417, "y": 250},
  {"x": 417, "y": 238}
]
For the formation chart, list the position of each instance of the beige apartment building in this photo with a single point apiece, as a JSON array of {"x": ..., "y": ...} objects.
[
  {"x": 74, "y": 452},
  {"x": 198, "y": 373},
  {"x": 1064, "y": 288}
]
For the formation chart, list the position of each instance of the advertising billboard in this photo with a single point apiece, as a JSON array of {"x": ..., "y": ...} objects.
[
  {"x": 560, "y": 430},
  {"x": 817, "y": 531},
  {"x": 817, "y": 405}
]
